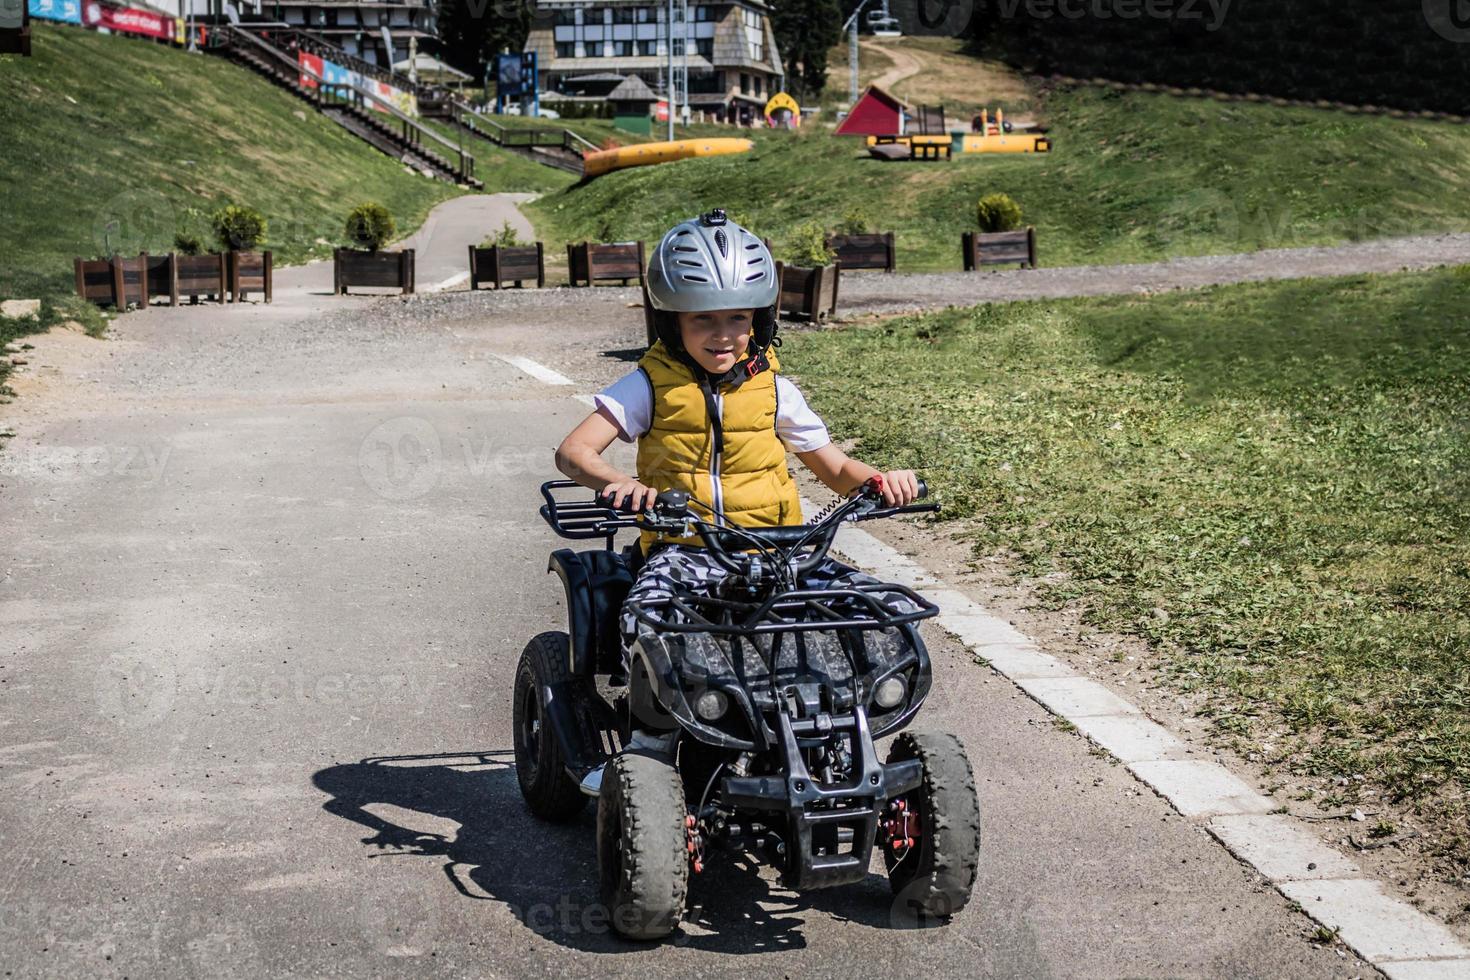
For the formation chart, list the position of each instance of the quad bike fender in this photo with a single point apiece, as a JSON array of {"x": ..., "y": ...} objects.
[{"x": 596, "y": 582}]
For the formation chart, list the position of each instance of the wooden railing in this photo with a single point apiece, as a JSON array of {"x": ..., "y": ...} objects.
[{"x": 335, "y": 93}]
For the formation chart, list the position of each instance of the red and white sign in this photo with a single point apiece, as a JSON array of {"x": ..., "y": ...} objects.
[
  {"x": 312, "y": 63},
  {"x": 128, "y": 20}
]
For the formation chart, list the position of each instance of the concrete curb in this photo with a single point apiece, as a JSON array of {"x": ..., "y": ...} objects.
[{"x": 1389, "y": 933}]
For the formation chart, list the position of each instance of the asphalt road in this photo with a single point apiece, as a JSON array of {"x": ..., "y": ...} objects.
[{"x": 266, "y": 575}]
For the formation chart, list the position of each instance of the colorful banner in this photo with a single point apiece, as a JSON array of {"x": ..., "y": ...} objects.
[
  {"x": 334, "y": 76},
  {"x": 67, "y": 11},
  {"x": 311, "y": 63},
  {"x": 128, "y": 20}
]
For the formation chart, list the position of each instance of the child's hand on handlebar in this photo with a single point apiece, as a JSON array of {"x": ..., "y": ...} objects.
[
  {"x": 900, "y": 488},
  {"x": 634, "y": 494}
]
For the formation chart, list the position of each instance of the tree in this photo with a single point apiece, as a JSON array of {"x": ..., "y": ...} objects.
[
  {"x": 472, "y": 32},
  {"x": 804, "y": 30}
]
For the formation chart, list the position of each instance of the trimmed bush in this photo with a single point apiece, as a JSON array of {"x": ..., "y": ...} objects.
[
  {"x": 238, "y": 228},
  {"x": 997, "y": 212},
  {"x": 188, "y": 243},
  {"x": 506, "y": 237},
  {"x": 854, "y": 222},
  {"x": 370, "y": 226},
  {"x": 807, "y": 246}
]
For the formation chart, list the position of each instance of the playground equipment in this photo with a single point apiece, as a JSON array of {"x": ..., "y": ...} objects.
[
  {"x": 596, "y": 163},
  {"x": 996, "y": 137}
]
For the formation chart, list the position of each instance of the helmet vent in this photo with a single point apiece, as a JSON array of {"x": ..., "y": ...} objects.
[
  {"x": 755, "y": 275},
  {"x": 689, "y": 263},
  {"x": 722, "y": 241},
  {"x": 688, "y": 278},
  {"x": 685, "y": 248}
]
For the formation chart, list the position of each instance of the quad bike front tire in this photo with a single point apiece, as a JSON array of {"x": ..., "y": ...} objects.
[
  {"x": 642, "y": 846},
  {"x": 541, "y": 770},
  {"x": 933, "y": 879}
]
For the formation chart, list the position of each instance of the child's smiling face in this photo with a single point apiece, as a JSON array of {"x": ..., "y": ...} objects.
[{"x": 716, "y": 340}]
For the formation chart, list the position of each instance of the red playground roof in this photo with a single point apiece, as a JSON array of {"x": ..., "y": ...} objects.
[{"x": 876, "y": 113}]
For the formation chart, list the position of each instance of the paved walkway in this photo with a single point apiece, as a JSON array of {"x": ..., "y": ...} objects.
[{"x": 865, "y": 292}]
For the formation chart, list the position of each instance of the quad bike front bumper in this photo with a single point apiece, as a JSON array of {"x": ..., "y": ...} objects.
[{"x": 832, "y": 826}]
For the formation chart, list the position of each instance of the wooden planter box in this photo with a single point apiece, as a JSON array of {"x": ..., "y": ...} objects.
[
  {"x": 351, "y": 267},
  {"x": 118, "y": 282},
  {"x": 590, "y": 262},
  {"x": 499, "y": 265},
  {"x": 999, "y": 248},
  {"x": 96, "y": 282},
  {"x": 808, "y": 293},
  {"x": 873, "y": 251},
  {"x": 250, "y": 272},
  {"x": 201, "y": 275}
]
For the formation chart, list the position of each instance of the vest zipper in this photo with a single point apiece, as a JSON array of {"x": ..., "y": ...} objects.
[{"x": 714, "y": 461}]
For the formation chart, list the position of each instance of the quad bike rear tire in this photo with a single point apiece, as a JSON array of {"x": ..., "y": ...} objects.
[
  {"x": 642, "y": 846},
  {"x": 540, "y": 765},
  {"x": 933, "y": 879}
]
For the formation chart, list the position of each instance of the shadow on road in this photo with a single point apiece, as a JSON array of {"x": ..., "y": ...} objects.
[
  {"x": 547, "y": 873},
  {"x": 630, "y": 354}
]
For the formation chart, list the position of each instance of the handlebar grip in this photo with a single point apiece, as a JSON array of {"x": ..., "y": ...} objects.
[
  {"x": 923, "y": 490},
  {"x": 624, "y": 508}
]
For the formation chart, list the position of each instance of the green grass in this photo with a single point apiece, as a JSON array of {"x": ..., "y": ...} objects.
[
  {"x": 500, "y": 170},
  {"x": 1271, "y": 483},
  {"x": 1134, "y": 177},
  {"x": 116, "y": 143}
]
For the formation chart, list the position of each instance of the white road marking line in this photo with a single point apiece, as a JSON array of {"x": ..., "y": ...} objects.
[
  {"x": 540, "y": 372},
  {"x": 586, "y": 400},
  {"x": 1389, "y": 933},
  {"x": 449, "y": 283}
]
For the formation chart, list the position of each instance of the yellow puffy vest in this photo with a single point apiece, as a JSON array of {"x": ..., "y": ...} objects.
[{"x": 749, "y": 483}]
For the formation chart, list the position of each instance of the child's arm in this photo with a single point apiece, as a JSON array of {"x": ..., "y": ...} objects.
[
  {"x": 580, "y": 457},
  {"x": 843, "y": 474}
]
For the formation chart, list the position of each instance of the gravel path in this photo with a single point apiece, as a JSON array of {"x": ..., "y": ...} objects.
[{"x": 870, "y": 292}]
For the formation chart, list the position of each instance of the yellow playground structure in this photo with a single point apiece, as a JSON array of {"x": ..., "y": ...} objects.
[{"x": 992, "y": 138}]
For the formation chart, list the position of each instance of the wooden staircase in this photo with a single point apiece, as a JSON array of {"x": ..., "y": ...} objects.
[{"x": 360, "y": 112}]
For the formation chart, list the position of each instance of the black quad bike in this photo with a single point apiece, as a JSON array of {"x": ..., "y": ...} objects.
[{"x": 747, "y": 720}]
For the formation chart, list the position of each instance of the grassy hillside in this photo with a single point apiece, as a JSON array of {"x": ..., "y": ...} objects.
[
  {"x": 1271, "y": 483},
  {"x": 116, "y": 143},
  {"x": 1134, "y": 177}
]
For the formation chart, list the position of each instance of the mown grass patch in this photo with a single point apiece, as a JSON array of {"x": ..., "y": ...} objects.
[
  {"x": 1134, "y": 177},
  {"x": 1271, "y": 483}
]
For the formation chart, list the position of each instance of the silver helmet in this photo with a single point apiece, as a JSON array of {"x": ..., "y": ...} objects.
[{"x": 711, "y": 263}]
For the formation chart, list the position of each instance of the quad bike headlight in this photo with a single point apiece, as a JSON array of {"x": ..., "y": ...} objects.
[
  {"x": 711, "y": 705},
  {"x": 890, "y": 692}
]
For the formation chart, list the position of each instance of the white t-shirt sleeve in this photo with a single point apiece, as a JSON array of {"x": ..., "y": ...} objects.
[
  {"x": 800, "y": 428},
  {"x": 629, "y": 400}
]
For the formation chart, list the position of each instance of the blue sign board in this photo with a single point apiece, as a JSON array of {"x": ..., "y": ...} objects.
[{"x": 69, "y": 11}]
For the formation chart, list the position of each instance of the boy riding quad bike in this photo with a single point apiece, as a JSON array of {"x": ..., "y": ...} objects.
[{"x": 723, "y": 681}]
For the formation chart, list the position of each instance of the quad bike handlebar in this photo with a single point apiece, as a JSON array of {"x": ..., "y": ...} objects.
[{"x": 782, "y": 553}]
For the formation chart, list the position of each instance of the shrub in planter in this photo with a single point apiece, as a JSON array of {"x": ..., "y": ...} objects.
[
  {"x": 188, "y": 243},
  {"x": 807, "y": 246},
  {"x": 997, "y": 212},
  {"x": 1001, "y": 239},
  {"x": 238, "y": 228},
  {"x": 808, "y": 277},
  {"x": 503, "y": 258},
  {"x": 369, "y": 227},
  {"x": 854, "y": 222}
]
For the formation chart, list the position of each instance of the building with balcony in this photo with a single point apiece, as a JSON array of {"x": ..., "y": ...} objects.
[
  {"x": 585, "y": 47},
  {"x": 357, "y": 27}
]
